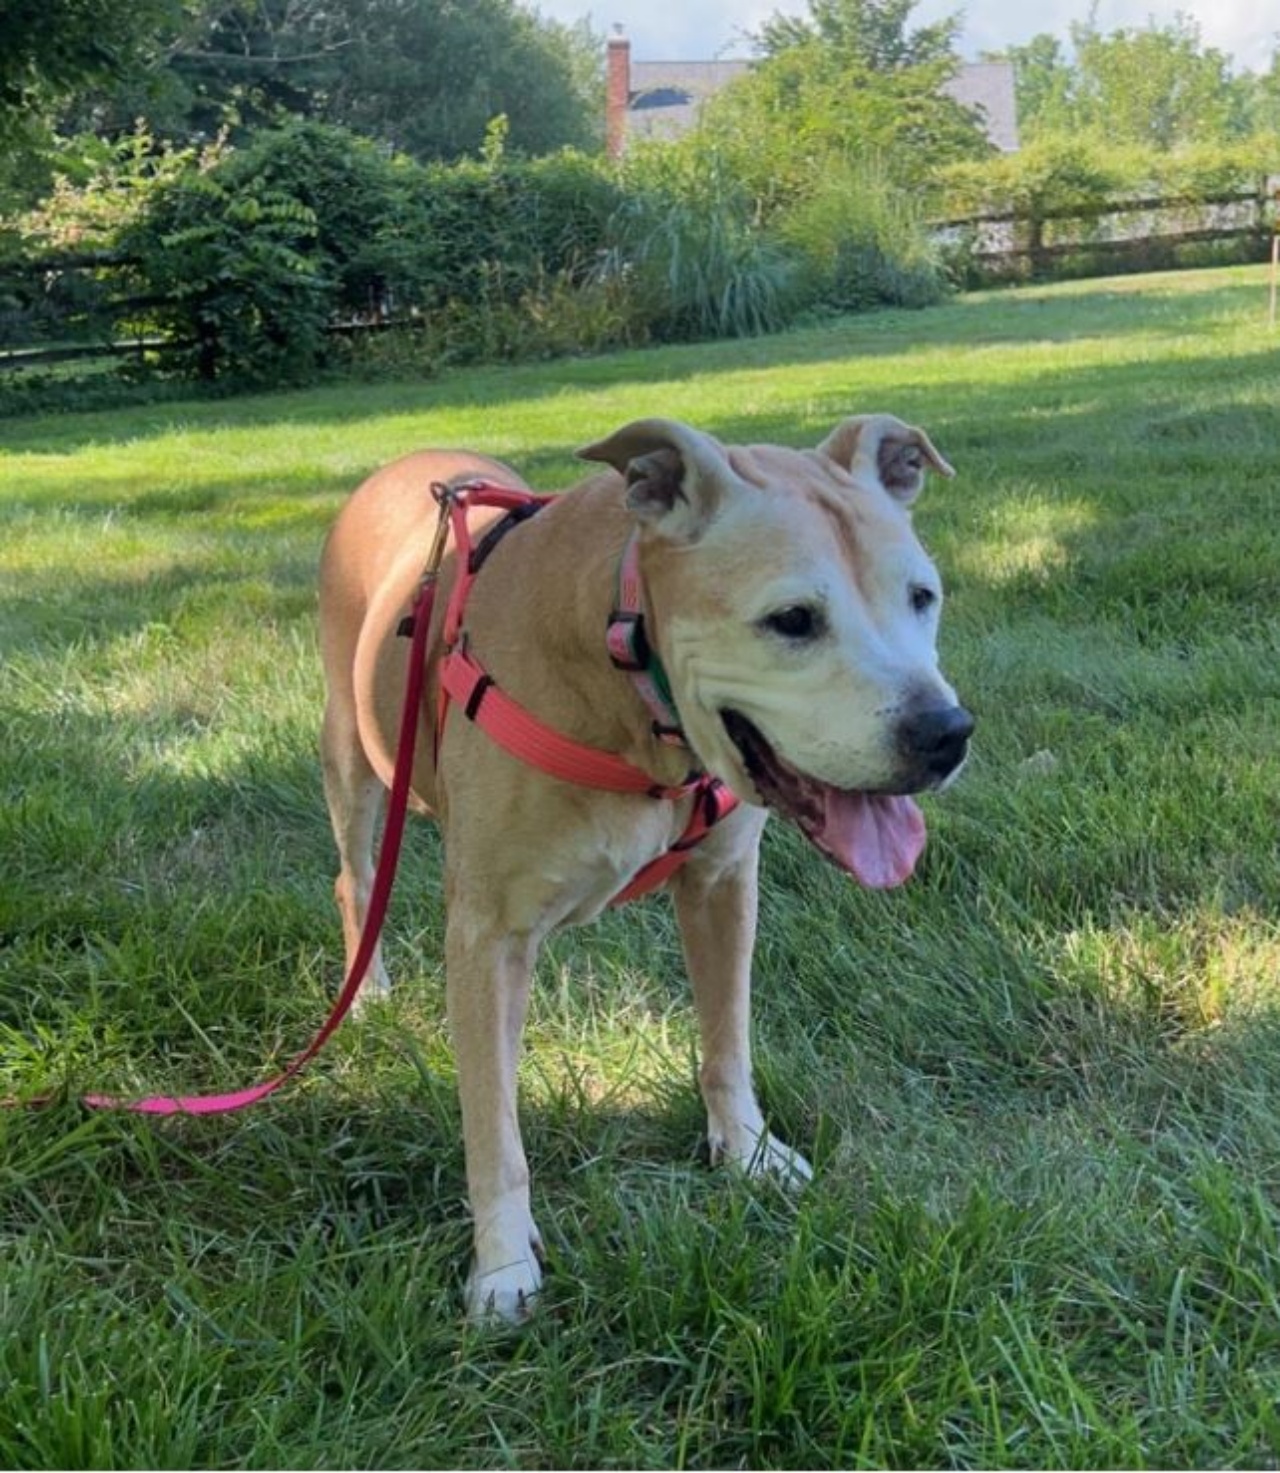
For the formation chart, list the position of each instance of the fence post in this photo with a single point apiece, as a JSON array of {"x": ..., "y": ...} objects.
[
  {"x": 1275, "y": 250},
  {"x": 1275, "y": 264}
]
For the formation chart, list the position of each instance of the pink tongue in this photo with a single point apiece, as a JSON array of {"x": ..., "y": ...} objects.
[{"x": 877, "y": 838}]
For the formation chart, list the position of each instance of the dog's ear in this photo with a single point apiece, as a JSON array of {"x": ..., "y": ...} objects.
[
  {"x": 674, "y": 474},
  {"x": 896, "y": 455}
]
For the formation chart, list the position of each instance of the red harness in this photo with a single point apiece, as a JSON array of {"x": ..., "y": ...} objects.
[
  {"x": 464, "y": 680},
  {"x": 465, "y": 683}
]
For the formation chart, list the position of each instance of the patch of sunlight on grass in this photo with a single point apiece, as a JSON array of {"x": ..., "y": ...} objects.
[
  {"x": 1193, "y": 972},
  {"x": 1025, "y": 536}
]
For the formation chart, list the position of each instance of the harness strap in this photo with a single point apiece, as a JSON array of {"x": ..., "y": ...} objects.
[
  {"x": 494, "y": 534},
  {"x": 471, "y": 556},
  {"x": 466, "y": 683},
  {"x": 715, "y": 802},
  {"x": 630, "y": 650},
  {"x": 464, "y": 680}
]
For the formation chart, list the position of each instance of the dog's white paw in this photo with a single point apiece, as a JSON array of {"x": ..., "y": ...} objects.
[
  {"x": 506, "y": 1273},
  {"x": 366, "y": 1003},
  {"x": 374, "y": 990},
  {"x": 503, "y": 1296},
  {"x": 764, "y": 1154},
  {"x": 784, "y": 1163}
]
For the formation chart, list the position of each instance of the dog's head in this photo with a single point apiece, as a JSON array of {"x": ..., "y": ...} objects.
[{"x": 797, "y": 614}]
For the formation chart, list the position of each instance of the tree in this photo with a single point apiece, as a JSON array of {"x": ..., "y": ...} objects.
[
  {"x": 1044, "y": 84},
  {"x": 50, "y": 52},
  {"x": 1157, "y": 86},
  {"x": 49, "y": 48},
  {"x": 848, "y": 83},
  {"x": 422, "y": 76},
  {"x": 1264, "y": 102},
  {"x": 870, "y": 33},
  {"x": 832, "y": 140},
  {"x": 427, "y": 77}
]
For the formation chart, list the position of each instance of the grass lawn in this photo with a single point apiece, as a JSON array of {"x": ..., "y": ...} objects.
[{"x": 1040, "y": 1085}]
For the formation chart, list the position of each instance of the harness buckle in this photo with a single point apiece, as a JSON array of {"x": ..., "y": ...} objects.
[
  {"x": 627, "y": 643},
  {"x": 444, "y": 496},
  {"x": 717, "y": 801}
]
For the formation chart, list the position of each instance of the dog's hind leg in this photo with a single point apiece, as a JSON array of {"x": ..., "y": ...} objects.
[
  {"x": 716, "y": 909},
  {"x": 356, "y": 798}
]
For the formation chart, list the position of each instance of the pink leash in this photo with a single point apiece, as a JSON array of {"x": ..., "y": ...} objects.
[
  {"x": 463, "y": 679},
  {"x": 388, "y": 856}
]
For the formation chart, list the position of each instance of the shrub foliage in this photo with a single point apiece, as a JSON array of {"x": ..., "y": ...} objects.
[{"x": 809, "y": 186}]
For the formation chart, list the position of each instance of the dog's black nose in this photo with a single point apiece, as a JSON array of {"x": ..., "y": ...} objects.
[{"x": 937, "y": 738}]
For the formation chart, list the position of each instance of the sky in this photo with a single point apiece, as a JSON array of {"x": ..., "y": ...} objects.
[{"x": 697, "y": 30}]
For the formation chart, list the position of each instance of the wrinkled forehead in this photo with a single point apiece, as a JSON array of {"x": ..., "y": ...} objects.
[{"x": 807, "y": 505}]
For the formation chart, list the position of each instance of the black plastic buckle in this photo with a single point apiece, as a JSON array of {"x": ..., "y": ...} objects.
[
  {"x": 640, "y": 655},
  {"x": 478, "y": 693}
]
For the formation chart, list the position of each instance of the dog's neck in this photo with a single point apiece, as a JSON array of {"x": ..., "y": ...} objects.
[{"x": 558, "y": 574}]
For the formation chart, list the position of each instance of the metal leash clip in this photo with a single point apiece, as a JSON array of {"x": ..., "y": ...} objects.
[{"x": 444, "y": 497}]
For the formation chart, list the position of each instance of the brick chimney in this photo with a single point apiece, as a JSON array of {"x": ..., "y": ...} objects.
[{"x": 617, "y": 93}]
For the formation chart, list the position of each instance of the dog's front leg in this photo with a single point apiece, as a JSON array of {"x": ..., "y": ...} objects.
[
  {"x": 488, "y": 979},
  {"x": 716, "y": 909}
]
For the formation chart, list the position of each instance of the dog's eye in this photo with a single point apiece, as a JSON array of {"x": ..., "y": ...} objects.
[
  {"x": 798, "y": 622},
  {"x": 923, "y": 597}
]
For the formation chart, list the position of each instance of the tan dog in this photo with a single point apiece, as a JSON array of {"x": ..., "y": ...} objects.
[{"x": 796, "y": 614}]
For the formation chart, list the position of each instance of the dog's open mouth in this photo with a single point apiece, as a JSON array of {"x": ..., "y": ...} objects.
[{"x": 877, "y": 837}]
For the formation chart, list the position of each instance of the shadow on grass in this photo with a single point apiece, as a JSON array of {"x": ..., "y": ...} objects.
[
  {"x": 1048, "y": 315},
  {"x": 85, "y": 821},
  {"x": 50, "y": 611},
  {"x": 1097, "y": 451}
]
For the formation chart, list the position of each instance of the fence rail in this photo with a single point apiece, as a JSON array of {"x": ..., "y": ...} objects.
[
  {"x": 91, "y": 304},
  {"x": 1145, "y": 229}
]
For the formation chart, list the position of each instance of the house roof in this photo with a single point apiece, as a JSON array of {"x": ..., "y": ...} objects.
[
  {"x": 988, "y": 87},
  {"x": 666, "y": 95}
]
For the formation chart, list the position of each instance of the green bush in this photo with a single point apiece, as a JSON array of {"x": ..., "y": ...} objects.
[
  {"x": 863, "y": 242},
  {"x": 1055, "y": 172},
  {"x": 310, "y": 225},
  {"x": 360, "y": 200},
  {"x": 266, "y": 263},
  {"x": 1057, "y": 191},
  {"x": 693, "y": 260},
  {"x": 99, "y": 190},
  {"x": 244, "y": 297},
  {"x": 1216, "y": 168},
  {"x": 505, "y": 225},
  {"x": 101, "y": 186}
]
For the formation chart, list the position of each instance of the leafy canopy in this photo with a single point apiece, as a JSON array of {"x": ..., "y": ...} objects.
[
  {"x": 421, "y": 76},
  {"x": 1157, "y": 86},
  {"x": 849, "y": 82},
  {"x": 49, "y": 48},
  {"x": 871, "y": 33}
]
